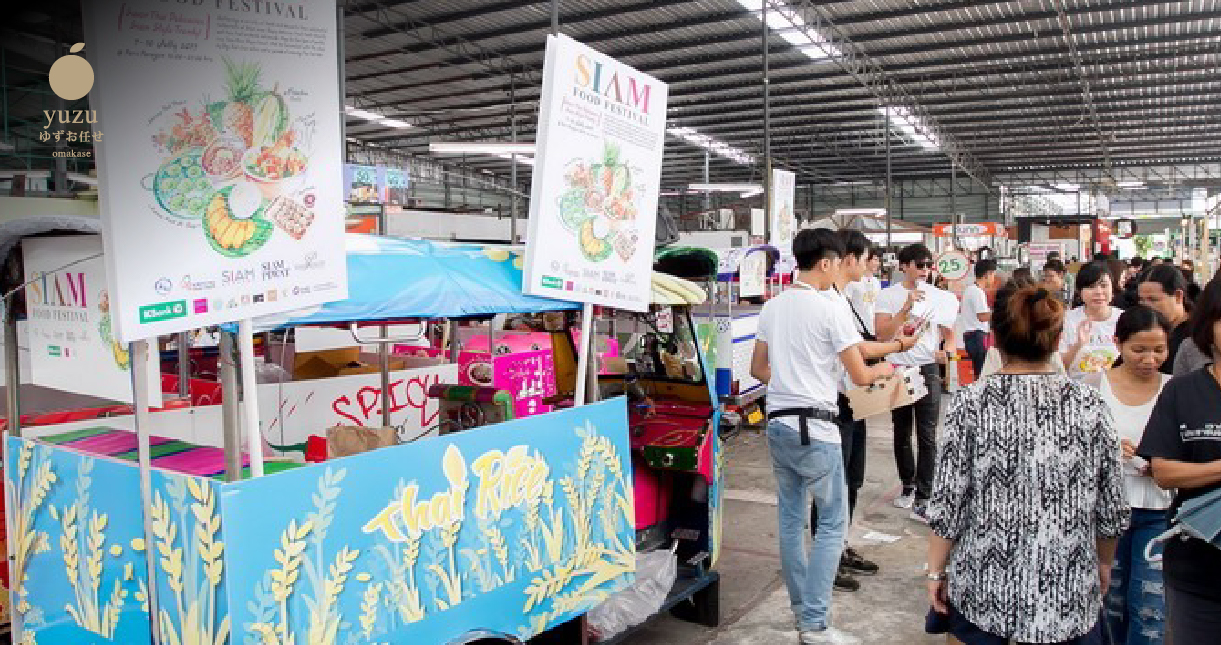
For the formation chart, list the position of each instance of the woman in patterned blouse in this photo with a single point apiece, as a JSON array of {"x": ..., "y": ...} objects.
[{"x": 1028, "y": 500}]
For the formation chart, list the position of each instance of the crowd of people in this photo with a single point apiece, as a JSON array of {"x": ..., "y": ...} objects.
[{"x": 1052, "y": 493}]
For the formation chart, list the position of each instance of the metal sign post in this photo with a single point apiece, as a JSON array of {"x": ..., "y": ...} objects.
[
  {"x": 139, "y": 384},
  {"x": 250, "y": 398}
]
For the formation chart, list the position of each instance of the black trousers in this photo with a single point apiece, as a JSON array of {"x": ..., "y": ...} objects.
[
  {"x": 1193, "y": 615},
  {"x": 973, "y": 342},
  {"x": 917, "y": 472},
  {"x": 852, "y": 444}
]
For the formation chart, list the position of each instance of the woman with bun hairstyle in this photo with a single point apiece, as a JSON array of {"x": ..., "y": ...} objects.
[
  {"x": 1028, "y": 502},
  {"x": 1164, "y": 289},
  {"x": 993, "y": 361},
  {"x": 1182, "y": 442},
  {"x": 1088, "y": 343},
  {"x": 1135, "y": 603}
]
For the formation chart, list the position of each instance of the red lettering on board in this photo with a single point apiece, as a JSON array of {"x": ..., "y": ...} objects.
[
  {"x": 414, "y": 391},
  {"x": 368, "y": 405},
  {"x": 346, "y": 401}
]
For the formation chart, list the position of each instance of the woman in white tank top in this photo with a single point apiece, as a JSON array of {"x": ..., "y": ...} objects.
[{"x": 1135, "y": 605}]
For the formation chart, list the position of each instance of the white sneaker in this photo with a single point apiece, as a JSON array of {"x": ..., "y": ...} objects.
[
  {"x": 906, "y": 498},
  {"x": 829, "y": 636}
]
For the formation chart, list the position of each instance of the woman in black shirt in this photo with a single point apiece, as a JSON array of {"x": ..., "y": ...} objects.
[
  {"x": 1183, "y": 443},
  {"x": 1164, "y": 290}
]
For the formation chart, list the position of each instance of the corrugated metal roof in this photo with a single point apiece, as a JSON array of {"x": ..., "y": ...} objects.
[{"x": 996, "y": 76}]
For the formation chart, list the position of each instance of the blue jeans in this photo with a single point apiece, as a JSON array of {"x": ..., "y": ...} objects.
[
  {"x": 1136, "y": 601},
  {"x": 819, "y": 469}
]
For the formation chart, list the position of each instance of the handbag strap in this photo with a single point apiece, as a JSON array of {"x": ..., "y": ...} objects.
[{"x": 865, "y": 333}]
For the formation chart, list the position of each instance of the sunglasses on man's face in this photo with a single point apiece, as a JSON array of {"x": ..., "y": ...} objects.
[{"x": 923, "y": 264}]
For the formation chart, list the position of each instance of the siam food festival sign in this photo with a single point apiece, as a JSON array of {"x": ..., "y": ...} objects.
[
  {"x": 593, "y": 202},
  {"x": 783, "y": 217},
  {"x": 71, "y": 322},
  {"x": 220, "y": 173}
]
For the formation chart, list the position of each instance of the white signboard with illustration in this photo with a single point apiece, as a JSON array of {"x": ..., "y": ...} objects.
[
  {"x": 593, "y": 202},
  {"x": 290, "y": 412},
  {"x": 783, "y": 220},
  {"x": 219, "y": 158},
  {"x": 72, "y": 342}
]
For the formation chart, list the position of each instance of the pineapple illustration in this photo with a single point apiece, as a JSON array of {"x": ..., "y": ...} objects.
[{"x": 242, "y": 83}]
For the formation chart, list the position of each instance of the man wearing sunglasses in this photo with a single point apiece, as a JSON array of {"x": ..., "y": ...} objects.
[{"x": 913, "y": 306}]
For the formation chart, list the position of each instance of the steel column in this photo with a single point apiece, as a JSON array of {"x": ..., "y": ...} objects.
[{"x": 767, "y": 129}]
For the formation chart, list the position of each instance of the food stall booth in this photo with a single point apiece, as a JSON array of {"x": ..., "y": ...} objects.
[{"x": 503, "y": 530}]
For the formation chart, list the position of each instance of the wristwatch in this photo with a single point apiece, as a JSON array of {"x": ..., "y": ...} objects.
[{"x": 936, "y": 577}]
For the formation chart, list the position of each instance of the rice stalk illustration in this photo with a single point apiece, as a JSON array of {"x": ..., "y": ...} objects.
[
  {"x": 32, "y": 485},
  {"x": 368, "y": 606}
]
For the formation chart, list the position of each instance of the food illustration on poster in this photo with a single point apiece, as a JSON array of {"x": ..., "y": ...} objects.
[
  {"x": 600, "y": 206},
  {"x": 237, "y": 164},
  {"x": 596, "y": 179},
  {"x": 220, "y": 172}
]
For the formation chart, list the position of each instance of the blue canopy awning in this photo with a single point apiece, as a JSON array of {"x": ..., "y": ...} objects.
[{"x": 396, "y": 279}]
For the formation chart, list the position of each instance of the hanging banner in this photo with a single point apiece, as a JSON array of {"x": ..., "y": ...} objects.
[
  {"x": 752, "y": 274},
  {"x": 783, "y": 221},
  {"x": 397, "y": 186},
  {"x": 72, "y": 342},
  {"x": 217, "y": 132},
  {"x": 593, "y": 202},
  {"x": 364, "y": 184}
]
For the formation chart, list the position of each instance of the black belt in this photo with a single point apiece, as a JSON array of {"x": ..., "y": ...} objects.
[{"x": 804, "y": 415}]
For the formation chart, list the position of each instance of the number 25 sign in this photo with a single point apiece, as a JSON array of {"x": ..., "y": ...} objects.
[{"x": 952, "y": 264}]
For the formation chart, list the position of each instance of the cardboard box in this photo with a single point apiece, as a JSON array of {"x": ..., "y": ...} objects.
[
  {"x": 324, "y": 364},
  {"x": 904, "y": 387},
  {"x": 360, "y": 367}
]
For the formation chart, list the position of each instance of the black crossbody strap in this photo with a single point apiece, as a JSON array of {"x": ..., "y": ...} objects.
[{"x": 865, "y": 333}]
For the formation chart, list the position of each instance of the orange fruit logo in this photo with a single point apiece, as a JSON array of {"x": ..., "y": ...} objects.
[{"x": 72, "y": 76}]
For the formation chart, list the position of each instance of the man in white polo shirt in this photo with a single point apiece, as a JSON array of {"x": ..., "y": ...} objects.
[
  {"x": 799, "y": 344},
  {"x": 902, "y": 307},
  {"x": 976, "y": 314}
]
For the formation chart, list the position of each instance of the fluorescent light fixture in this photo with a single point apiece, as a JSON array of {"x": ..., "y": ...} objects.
[
  {"x": 792, "y": 28},
  {"x": 752, "y": 193},
  {"x": 706, "y": 142},
  {"x": 520, "y": 158},
  {"x": 484, "y": 148},
  {"x": 83, "y": 178},
  {"x": 875, "y": 212},
  {"x": 912, "y": 126},
  {"x": 853, "y": 183},
  {"x": 1130, "y": 184},
  {"x": 1067, "y": 188},
  {"x": 362, "y": 114},
  {"x": 29, "y": 174},
  {"x": 726, "y": 188},
  {"x": 672, "y": 193},
  {"x": 395, "y": 123}
]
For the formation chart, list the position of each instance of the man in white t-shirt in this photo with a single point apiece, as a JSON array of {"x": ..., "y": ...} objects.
[
  {"x": 799, "y": 344},
  {"x": 863, "y": 293},
  {"x": 976, "y": 314},
  {"x": 912, "y": 305}
]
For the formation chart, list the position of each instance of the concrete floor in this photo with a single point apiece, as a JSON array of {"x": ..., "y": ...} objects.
[{"x": 889, "y": 607}]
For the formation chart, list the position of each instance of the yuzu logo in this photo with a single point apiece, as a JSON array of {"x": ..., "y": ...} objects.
[{"x": 71, "y": 76}]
